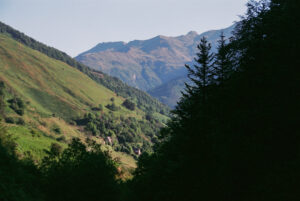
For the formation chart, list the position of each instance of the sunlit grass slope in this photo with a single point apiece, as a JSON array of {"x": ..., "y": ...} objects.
[
  {"x": 51, "y": 86},
  {"x": 54, "y": 92}
]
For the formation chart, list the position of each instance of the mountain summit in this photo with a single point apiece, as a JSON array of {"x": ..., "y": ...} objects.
[{"x": 148, "y": 64}]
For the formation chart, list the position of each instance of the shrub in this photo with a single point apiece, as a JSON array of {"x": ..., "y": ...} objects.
[
  {"x": 112, "y": 107},
  {"x": 73, "y": 123},
  {"x": 55, "y": 149},
  {"x": 43, "y": 123},
  {"x": 10, "y": 120},
  {"x": 127, "y": 149},
  {"x": 61, "y": 139},
  {"x": 91, "y": 127},
  {"x": 20, "y": 121},
  {"x": 149, "y": 117},
  {"x": 129, "y": 105},
  {"x": 20, "y": 112},
  {"x": 56, "y": 129},
  {"x": 18, "y": 105}
]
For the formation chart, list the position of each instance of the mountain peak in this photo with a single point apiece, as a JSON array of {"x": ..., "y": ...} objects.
[
  {"x": 192, "y": 33},
  {"x": 161, "y": 37},
  {"x": 151, "y": 62}
]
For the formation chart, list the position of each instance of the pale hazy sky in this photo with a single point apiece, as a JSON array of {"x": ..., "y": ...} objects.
[{"x": 74, "y": 26}]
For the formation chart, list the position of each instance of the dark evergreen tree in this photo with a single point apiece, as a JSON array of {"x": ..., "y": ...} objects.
[
  {"x": 200, "y": 75},
  {"x": 201, "y": 72},
  {"x": 251, "y": 152},
  {"x": 222, "y": 67}
]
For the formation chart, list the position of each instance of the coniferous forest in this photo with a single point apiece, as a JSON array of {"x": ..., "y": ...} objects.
[{"x": 234, "y": 135}]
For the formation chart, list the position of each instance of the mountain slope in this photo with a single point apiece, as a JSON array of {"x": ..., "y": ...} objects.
[
  {"x": 149, "y": 63},
  {"x": 49, "y": 85},
  {"x": 46, "y": 101},
  {"x": 169, "y": 93},
  {"x": 142, "y": 99}
]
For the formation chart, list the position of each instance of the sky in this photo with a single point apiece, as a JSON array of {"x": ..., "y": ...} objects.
[{"x": 74, "y": 26}]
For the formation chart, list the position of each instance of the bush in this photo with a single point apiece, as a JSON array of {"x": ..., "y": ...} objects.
[
  {"x": 127, "y": 149},
  {"x": 20, "y": 112},
  {"x": 129, "y": 105},
  {"x": 90, "y": 172},
  {"x": 61, "y": 139},
  {"x": 43, "y": 123},
  {"x": 10, "y": 120},
  {"x": 149, "y": 117},
  {"x": 99, "y": 108},
  {"x": 18, "y": 105},
  {"x": 112, "y": 107},
  {"x": 55, "y": 149},
  {"x": 91, "y": 127},
  {"x": 57, "y": 129},
  {"x": 73, "y": 123},
  {"x": 20, "y": 121}
]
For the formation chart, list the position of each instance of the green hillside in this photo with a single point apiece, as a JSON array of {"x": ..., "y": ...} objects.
[
  {"x": 46, "y": 101},
  {"x": 144, "y": 101}
]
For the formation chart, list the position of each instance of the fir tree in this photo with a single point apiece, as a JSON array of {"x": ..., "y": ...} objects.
[
  {"x": 222, "y": 65},
  {"x": 200, "y": 73}
]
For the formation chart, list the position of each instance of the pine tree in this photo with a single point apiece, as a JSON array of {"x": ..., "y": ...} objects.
[
  {"x": 222, "y": 65},
  {"x": 201, "y": 72}
]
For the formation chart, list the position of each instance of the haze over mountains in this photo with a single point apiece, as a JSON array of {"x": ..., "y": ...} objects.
[{"x": 155, "y": 65}]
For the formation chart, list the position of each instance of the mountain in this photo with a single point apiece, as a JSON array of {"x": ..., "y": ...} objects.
[
  {"x": 147, "y": 64},
  {"x": 45, "y": 100},
  {"x": 142, "y": 99},
  {"x": 169, "y": 92}
]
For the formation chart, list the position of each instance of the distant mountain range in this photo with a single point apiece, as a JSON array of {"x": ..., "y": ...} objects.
[{"x": 155, "y": 65}]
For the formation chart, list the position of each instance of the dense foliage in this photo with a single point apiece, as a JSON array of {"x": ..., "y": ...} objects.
[
  {"x": 19, "y": 179},
  {"x": 78, "y": 173},
  {"x": 125, "y": 134},
  {"x": 142, "y": 99},
  {"x": 235, "y": 137},
  {"x": 18, "y": 105},
  {"x": 129, "y": 105}
]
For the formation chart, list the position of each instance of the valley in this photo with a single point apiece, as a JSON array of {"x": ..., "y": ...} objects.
[{"x": 47, "y": 101}]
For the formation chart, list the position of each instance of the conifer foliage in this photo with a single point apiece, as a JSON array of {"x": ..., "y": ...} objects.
[
  {"x": 241, "y": 142},
  {"x": 234, "y": 135},
  {"x": 223, "y": 65}
]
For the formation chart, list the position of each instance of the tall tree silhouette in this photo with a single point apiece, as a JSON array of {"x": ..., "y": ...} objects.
[
  {"x": 201, "y": 72},
  {"x": 253, "y": 153},
  {"x": 222, "y": 67}
]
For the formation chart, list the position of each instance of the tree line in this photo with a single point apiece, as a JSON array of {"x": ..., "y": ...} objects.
[
  {"x": 234, "y": 135},
  {"x": 143, "y": 101}
]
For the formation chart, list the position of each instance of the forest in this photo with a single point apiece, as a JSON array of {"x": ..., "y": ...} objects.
[{"x": 234, "y": 135}]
